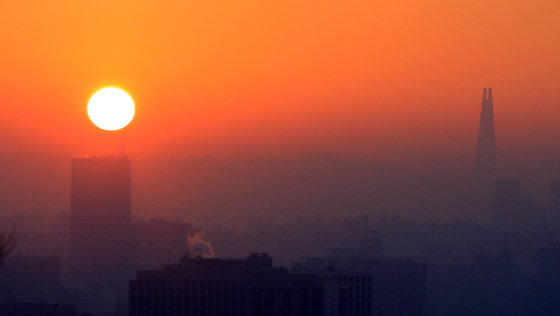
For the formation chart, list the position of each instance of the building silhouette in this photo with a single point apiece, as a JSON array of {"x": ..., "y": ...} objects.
[
  {"x": 209, "y": 286},
  {"x": 486, "y": 147},
  {"x": 391, "y": 287},
  {"x": 100, "y": 232},
  {"x": 513, "y": 212},
  {"x": 490, "y": 285},
  {"x": 30, "y": 285},
  {"x": 494, "y": 281},
  {"x": 36, "y": 279},
  {"x": 507, "y": 203},
  {"x": 37, "y": 309},
  {"x": 554, "y": 202},
  {"x": 549, "y": 278}
]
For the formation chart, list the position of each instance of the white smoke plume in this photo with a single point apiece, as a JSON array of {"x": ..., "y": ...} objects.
[{"x": 198, "y": 247}]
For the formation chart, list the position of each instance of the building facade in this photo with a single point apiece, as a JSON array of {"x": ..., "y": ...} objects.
[
  {"x": 100, "y": 228},
  {"x": 36, "y": 279},
  {"x": 395, "y": 287},
  {"x": 251, "y": 286}
]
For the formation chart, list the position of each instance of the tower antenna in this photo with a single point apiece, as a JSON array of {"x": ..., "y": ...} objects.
[{"x": 122, "y": 147}]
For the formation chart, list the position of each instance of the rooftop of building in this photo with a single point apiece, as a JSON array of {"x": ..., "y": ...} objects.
[
  {"x": 257, "y": 267},
  {"x": 316, "y": 264}
]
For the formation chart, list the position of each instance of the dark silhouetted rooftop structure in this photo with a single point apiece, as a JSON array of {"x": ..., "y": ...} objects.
[{"x": 209, "y": 286}]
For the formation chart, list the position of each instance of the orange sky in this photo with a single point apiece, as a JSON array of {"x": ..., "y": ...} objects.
[{"x": 363, "y": 79}]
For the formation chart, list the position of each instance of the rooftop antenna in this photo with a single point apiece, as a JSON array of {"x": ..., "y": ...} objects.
[{"x": 122, "y": 147}]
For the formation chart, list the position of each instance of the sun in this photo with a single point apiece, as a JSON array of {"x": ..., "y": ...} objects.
[{"x": 110, "y": 109}]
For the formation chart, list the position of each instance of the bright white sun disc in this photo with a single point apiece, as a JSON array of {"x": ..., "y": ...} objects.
[{"x": 110, "y": 109}]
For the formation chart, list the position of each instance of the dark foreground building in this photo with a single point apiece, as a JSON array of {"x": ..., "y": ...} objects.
[
  {"x": 388, "y": 287},
  {"x": 36, "y": 309},
  {"x": 250, "y": 286}
]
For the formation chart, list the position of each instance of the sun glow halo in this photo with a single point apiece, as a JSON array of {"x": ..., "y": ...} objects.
[{"x": 110, "y": 109}]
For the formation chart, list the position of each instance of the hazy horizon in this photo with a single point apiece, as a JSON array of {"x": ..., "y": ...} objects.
[{"x": 209, "y": 190}]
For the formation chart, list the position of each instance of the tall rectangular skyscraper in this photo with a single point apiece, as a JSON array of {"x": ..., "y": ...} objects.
[
  {"x": 486, "y": 147},
  {"x": 100, "y": 231}
]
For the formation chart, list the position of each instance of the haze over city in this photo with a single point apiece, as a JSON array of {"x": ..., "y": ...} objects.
[{"x": 409, "y": 146}]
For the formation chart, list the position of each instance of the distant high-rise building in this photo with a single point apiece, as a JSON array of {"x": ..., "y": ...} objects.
[
  {"x": 486, "y": 146},
  {"x": 100, "y": 227},
  {"x": 512, "y": 211},
  {"x": 507, "y": 203}
]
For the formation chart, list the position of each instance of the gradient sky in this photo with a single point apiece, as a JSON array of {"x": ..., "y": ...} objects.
[{"x": 364, "y": 79}]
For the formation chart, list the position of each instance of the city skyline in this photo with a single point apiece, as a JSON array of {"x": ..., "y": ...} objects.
[{"x": 293, "y": 158}]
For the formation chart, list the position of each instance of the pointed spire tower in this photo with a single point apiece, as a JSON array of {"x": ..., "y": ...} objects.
[{"x": 486, "y": 148}]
